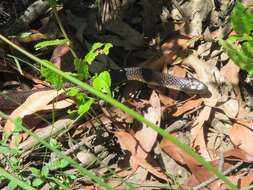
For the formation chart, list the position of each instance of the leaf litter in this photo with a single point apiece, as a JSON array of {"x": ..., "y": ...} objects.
[{"x": 179, "y": 37}]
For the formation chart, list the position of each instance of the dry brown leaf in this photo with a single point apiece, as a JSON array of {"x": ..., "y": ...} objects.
[
  {"x": 199, "y": 173},
  {"x": 138, "y": 155},
  {"x": 240, "y": 154},
  {"x": 34, "y": 103},
  {"x": 197, "y": 132},
  {"x": 59, "y": 52},
  {"x": 187, "y": 106},
  {"x": 241, "y": 135},
  {"x": 231, "y": 72},
  {"x": 177, "y": 154},
  {"x": 245, "y": 181},
  {"x": 153, "y": 114},
  {"x": 60, "y": 104},
  {"x": 218, "y": 184}
]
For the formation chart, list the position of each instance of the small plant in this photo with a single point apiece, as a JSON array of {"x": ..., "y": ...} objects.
[
  {"x": 101, "y": 82},
  {"x": 240, "y": 46}
]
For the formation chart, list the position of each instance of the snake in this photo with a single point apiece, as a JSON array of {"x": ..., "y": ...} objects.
[{"x": 148, "y": 76}]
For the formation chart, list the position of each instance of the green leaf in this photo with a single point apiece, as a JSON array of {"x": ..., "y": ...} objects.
[
  {"x": 96, "y": 50},
  {"x": 63, "y": 163},
  {"x": 72, "y": 176},
  {"x": 54, "y": 143},
  {"x": 85, "y": 107},
  {"x": 12, "y": 185},
  {"x": 107, "y": 48},
  {"x": 247, "y": 48},
  {"x": 50, "y": 76},
  {"x": 92, "y": 54},
  {"x": 18, "y": 121},
  {"x": 35, "y": 171},
  {"x": 96, "y": 46},
  {"x": 81, "y": 98},
  {"x": 242, "y": 19},
  {"x": 14, "y": 162},
  {"x": 37, "y": 182},
  {"x": 81, "y": 68},
  {"x": 4, "y": 149},
  {"x": 241, "y": 54},
  {"x": 45, "y": 171},
  {"x": 73, "y": 91},
  {"x": 50, "y": 43},
  {"x": 102, "y": 82}
]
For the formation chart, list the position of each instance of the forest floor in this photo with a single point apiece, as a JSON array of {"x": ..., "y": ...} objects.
[{"x": 80, "y": 141}]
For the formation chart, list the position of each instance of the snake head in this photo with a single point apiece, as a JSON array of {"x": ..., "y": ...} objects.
[{"x": 194, "y": 86}]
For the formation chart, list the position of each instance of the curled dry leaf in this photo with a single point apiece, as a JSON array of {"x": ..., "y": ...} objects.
[
  {"x": 231, "y": 72},
  {"x": 177, "y": 154},
  {"x": 239, "y": 154},
  {"x": 187, "y": 106},
  {"x": 60, "y": 52},
  {"x": 86, "y": 158},
  {"x": 199, "y": 173},
  {"x": 197, "y": 132},
  {"x": 34, "y": 103},
  {"x": 246, "y": 180},
  {"x": 153, "y": 114},
  {"x": 138, "y": 155},
  {"x": 230, "y": 108},
  {"x": 199, "y": 11}
]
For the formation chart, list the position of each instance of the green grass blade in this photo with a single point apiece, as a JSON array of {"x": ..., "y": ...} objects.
[{"x": 15, "y": 179}]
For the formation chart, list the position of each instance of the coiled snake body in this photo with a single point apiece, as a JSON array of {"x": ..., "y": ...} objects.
[{"x": 187, "y": 85}]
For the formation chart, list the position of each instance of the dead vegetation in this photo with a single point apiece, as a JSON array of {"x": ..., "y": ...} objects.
[{"x": 178, "y": 37}]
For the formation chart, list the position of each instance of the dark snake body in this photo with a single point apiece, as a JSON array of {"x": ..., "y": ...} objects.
[{"x": 187, "y": 85}]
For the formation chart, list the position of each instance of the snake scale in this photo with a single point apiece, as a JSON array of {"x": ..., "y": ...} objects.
[{"x": 187, "y": 85}]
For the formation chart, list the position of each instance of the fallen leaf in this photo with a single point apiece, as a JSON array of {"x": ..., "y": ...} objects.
[
  {"x": 153, "y": 114},
  {"x": 231, "y": 72},
  {"x": 230, "y": 108},
  {"x": 241, "y": 135},
  {"x": 59, "y": 53},
  {"x": 178, "y": 155},
  {"x": 34, "y": 103},
  {"x": 138, "y": 155},
  {"x": 245, "y": 181},
  {"x": 197, "y": 132},
  {"x": 187, "y": 106},
  {"x": 199, "y": 173},
  {"x": 239, "y": 154}
]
